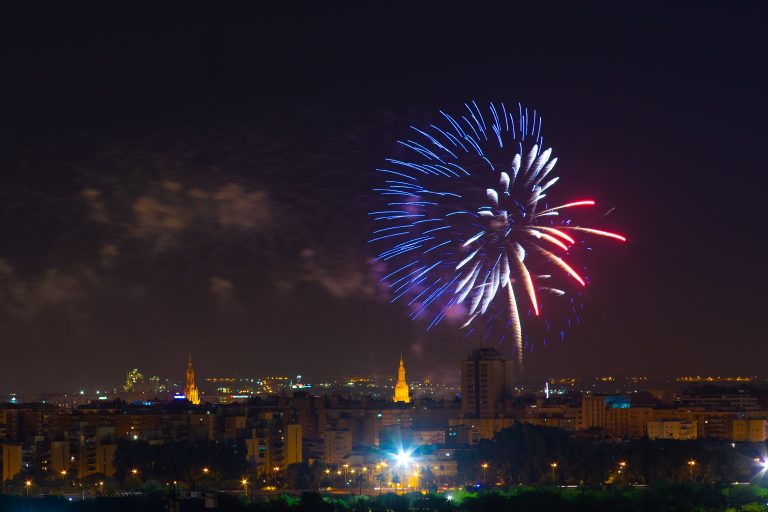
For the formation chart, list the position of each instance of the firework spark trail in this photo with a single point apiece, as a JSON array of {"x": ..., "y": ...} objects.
[{"x": 462, "y": 220}]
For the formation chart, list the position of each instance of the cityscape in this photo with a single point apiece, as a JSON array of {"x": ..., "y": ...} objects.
[
  {"x": 372, "y": 435},
  {"x": 362, "y": 258}
]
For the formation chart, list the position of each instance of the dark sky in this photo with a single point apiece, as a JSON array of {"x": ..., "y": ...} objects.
[{"x": 180, "y": 180}]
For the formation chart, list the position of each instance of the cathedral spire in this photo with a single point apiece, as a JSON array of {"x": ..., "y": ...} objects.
[
  {"x": 190, "y": 390},
  {"x": 401, "y": 388}
]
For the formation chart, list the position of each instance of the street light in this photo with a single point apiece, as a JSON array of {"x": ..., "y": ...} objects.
[
  {"x": 554, "y": 467},
  {"x": 206, "y": 470},
  {"x": 485, "y": 468},
  {"x": 691, "y": 465},
  {"x": 276, "y": 468},
  {"x": 134, "y": 471},
  {"x": 244, "y": 483},
  {"x": 27, "y": 485}
]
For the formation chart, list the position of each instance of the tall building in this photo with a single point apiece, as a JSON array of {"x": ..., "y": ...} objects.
[
  {"x": 132, "y": 379},
  {"x": 485, "y": 382},
  {"x": 401, "y": 388},
  {"x": 11, "y": 460},
  {"x": 190, "y": 390},
  {"x": 293, "y": 444}
]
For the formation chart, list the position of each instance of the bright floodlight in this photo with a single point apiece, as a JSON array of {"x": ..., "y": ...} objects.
[{"x": 403, "y": 458}]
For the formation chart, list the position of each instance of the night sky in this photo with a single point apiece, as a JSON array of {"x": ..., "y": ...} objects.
[{"x": 183, "y": 180}]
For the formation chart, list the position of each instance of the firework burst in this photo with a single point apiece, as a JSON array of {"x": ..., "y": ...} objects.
[{"x": 467, "y": 230}]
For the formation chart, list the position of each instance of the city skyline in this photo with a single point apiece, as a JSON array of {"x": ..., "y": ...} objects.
[
  {"x": 203, "y": 186},
  {"x": 215, "y": 388}
]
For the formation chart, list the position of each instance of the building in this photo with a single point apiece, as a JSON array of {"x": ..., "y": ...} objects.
[
  {"x": 477, "y": 428},
  {"x": 293, "y": 444},
  {"x": 750, "y": 430},
  {"x": 401, "y": 388},
  {"x": 190, "y": 390},
  {"x": 11, "y": 461},
  {"x": 672, "y": 429},
  {"x": 485, "y": 382},
  {"x": 105, "y": 459},
  {"x": 338, "y": 445}
]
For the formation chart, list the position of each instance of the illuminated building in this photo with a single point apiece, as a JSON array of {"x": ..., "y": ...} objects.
[
  {"x": 595, "y": 411},
  {"x": 132, "y": 379},
  {"x": 11, "y": 461},
  {"x": 270, "y": 442},
  {"x": 293, "y": 444},
  {"x": 401, "y": 388},
  {"x": 190, "y": 390},
  {"x": 750, "y": 430},
  {"x": 59, "y": 457},
  {"x": 485, "y": 382},
  {"x": 672, "y": 429}
]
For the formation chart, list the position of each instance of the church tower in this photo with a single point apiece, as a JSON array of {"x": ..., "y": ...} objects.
[
  {"x": 401, "y": 388},
  {"x": 190, "y": 390}
]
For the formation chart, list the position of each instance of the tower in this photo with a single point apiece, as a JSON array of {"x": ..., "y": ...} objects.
[
  {"x": 190, "y": 390},
  {"x": 486, "y": 379},
  {"x": 401, "y": 388}
]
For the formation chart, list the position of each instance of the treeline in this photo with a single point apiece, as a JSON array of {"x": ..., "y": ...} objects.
[
  {"x": 677, "y": 498},
  {"x": 196, "y": 464},
  {"x": 525, "y": 454}
]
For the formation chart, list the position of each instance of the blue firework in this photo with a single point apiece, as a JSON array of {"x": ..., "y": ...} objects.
[{"x": 464, "y": 229}]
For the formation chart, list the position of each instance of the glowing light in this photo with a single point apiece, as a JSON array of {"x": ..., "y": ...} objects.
[
  {"x": 562, "y": 264},
  {"x": 564, "y": 236},
  {"x": 403, "y": 458},
  {"x": 552, "y": 211},
  {"x": 597, "y": 232}
]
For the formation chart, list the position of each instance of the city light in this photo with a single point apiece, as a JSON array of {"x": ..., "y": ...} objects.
[{"x": 403, "y": 458}]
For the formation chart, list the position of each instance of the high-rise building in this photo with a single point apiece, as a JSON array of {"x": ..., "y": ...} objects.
[
  {"x": 401, "y": 388},
  {"x": 486, "y": 379},
  {"x": 293, "y": 444},
  {"x": 11, "y": 460},
  {"x": 132, "y": 379},
  {"x": 190, "y": 390}
]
